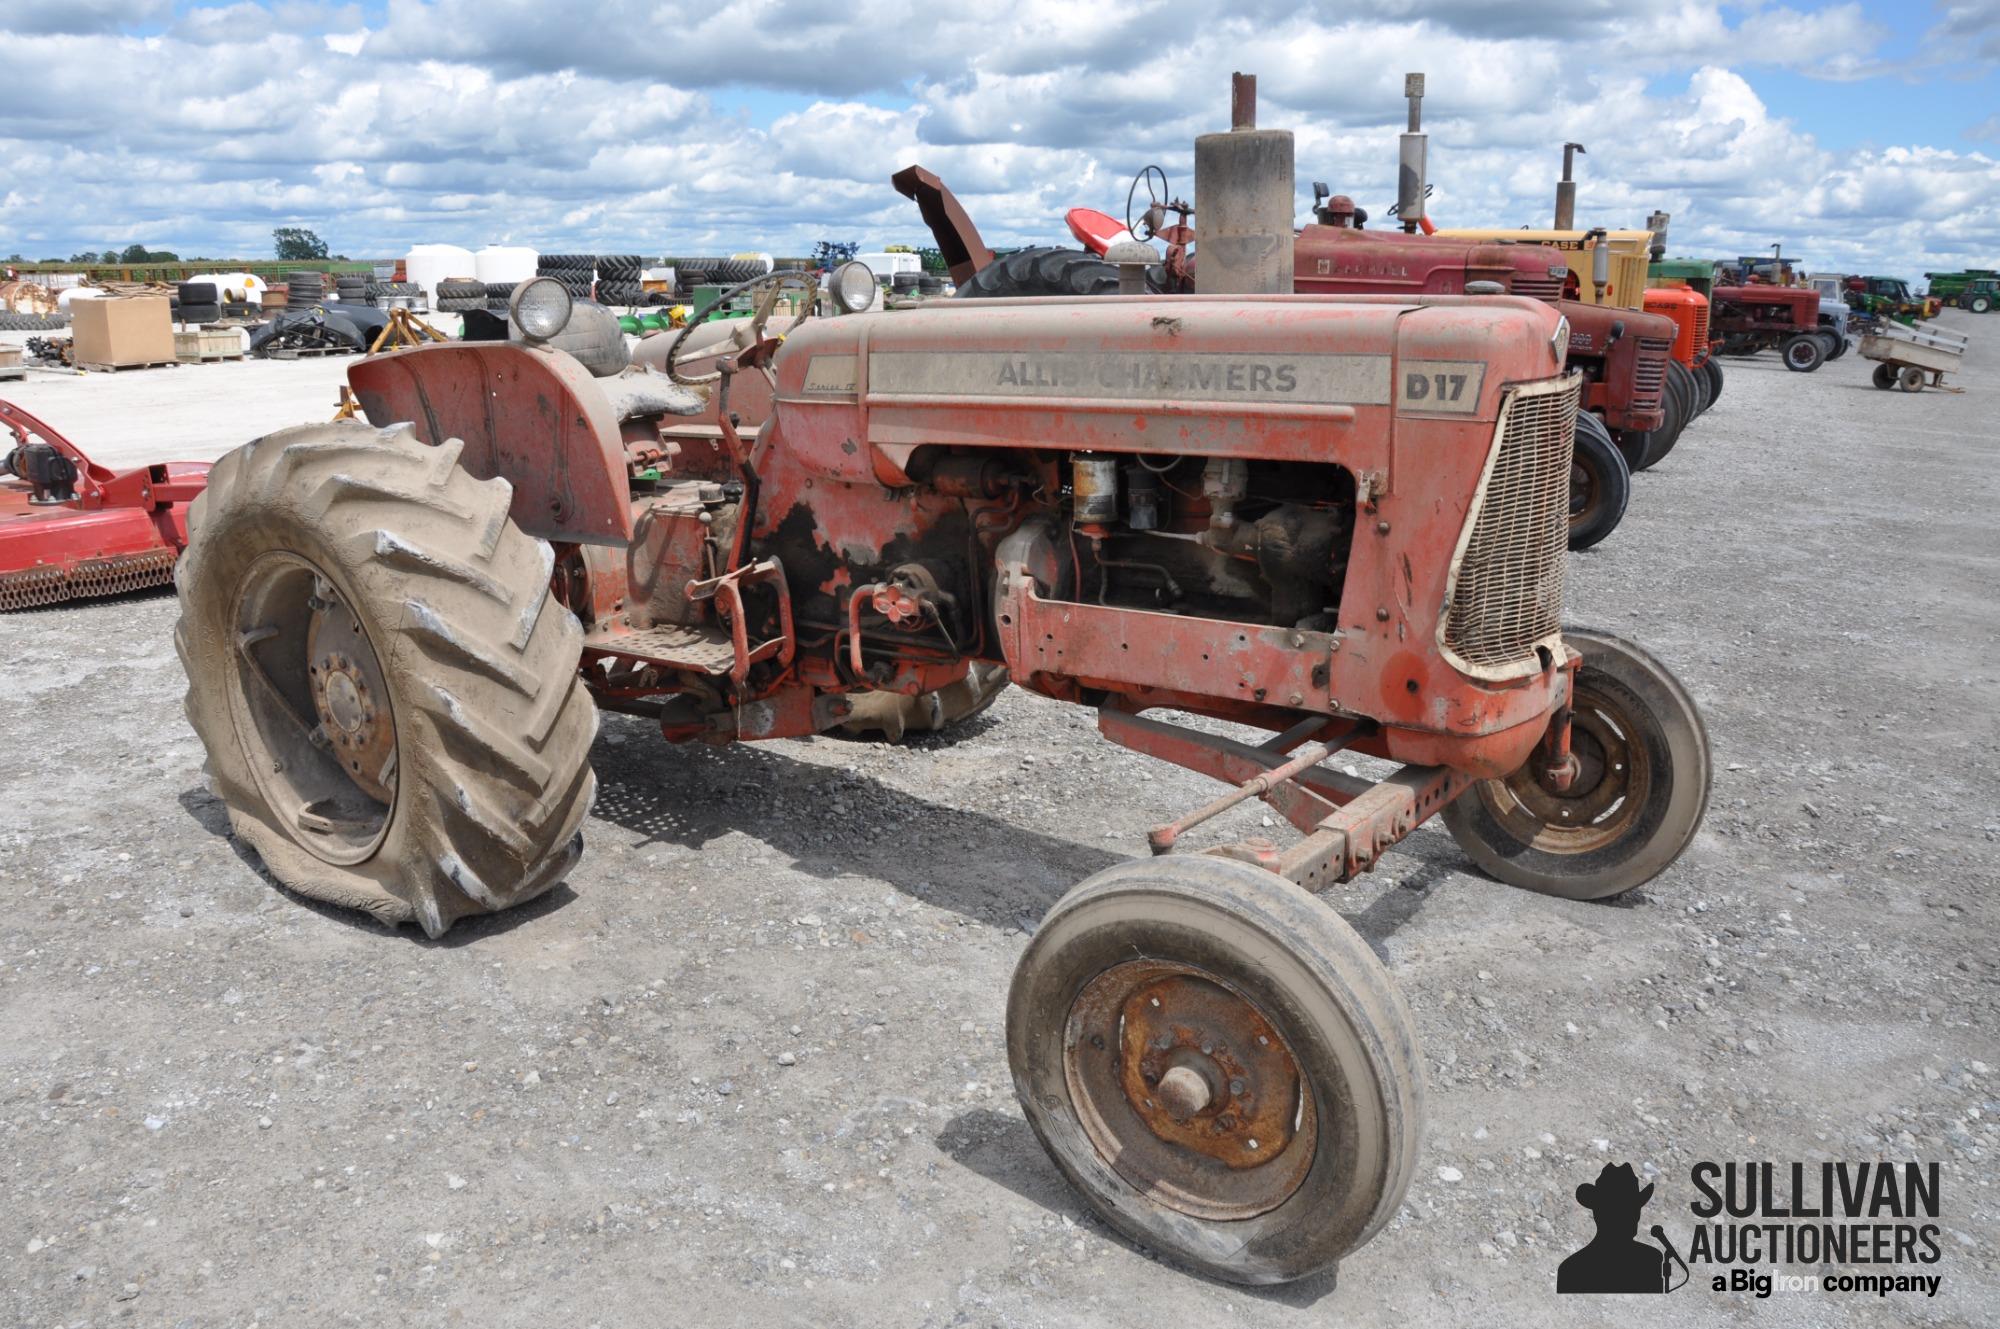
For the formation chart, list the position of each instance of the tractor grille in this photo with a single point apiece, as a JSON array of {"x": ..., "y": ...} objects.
[
  {"x": 1507, "y": 585},
  {"x": 1701, "y": 332},
  {"x": 1537, "y": 288},
  {"x": 1649, "y": 376}
]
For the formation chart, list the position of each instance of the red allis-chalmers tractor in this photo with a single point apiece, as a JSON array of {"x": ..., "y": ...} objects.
[{"x": 398, "y": 634}]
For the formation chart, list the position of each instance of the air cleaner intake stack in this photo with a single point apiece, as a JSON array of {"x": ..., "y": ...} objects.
[{"x": 1243, "y": 202}]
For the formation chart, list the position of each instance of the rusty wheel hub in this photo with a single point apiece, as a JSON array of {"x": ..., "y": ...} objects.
[
  {"x": 1188, "y": 1090},
  {"x": 347, "y": 687},
  {"x": 1611, "y": 779}
]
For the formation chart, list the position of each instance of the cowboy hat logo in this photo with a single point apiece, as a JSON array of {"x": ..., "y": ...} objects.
[{"x": 1615, "y": 1260}]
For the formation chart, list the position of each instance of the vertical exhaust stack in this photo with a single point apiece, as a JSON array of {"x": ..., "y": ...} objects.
[
  {"x": 1566, "y": 189},
  {"x": 1410, "y": 173},
  {"x": 1243, "y": 185}
]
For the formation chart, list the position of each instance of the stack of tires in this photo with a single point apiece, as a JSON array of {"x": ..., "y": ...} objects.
[
  {"x": 388, "y": 294},
  {"x": 618, "y": 280},
  {"x": 304, "y": 289},
  {"x": 198, "y": 302},
  {"x": 498, "y": 293},
  {"x": 456, "y": 295},
  {"x": 692, "y": 272},
  {"x": 572, "y": 270},
  {"x": 351, "y": 287}
]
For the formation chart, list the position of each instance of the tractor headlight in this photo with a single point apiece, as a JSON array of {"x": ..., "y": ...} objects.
[
  {"x": 541, "y": 308},
  {"x": 1559, "y": 341},
  {"x": 853, "y": 287}
]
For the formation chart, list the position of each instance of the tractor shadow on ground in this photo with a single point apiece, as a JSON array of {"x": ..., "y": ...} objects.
[
  {"x": 1001, "y": 1148},
  {"x": 832, "y": 823},
  {"x": 206, "y": 811}
]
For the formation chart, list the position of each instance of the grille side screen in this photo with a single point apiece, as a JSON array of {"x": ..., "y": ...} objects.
[{"x": 1507, "y": 589}]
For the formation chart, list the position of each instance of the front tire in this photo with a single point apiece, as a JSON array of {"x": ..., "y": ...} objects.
[
  {"x": 1980, "y": 304},
  {"x": 385, "y": 687},
  {"x": 1293, "y": 1134},
  {"x": 1600, "y": 484},
  {"x": 1640, "y": 791}
]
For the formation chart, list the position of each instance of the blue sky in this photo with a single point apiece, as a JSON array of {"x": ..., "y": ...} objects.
[{"x": 1864, "y": 132}]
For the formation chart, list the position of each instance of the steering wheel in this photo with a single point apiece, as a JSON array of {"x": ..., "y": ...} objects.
[
  {"x": 806, "y": 282},
  {"x": 1156, "y": 202}
]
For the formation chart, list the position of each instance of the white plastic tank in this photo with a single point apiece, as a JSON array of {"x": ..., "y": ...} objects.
[
  {"x": 496, "y": 264},
  {"x": 247, "y": 287},
  {"x": 887, "y": 265},
  {"x": 69, "y": 295},
  {"x": 427, "y": 265},
  {"x": 767, "y": 260}
]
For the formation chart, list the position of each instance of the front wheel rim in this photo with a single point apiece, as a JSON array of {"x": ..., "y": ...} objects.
[
  {"x": 1187, "y": 1090},
  {"x": 1613, "y": 782}
]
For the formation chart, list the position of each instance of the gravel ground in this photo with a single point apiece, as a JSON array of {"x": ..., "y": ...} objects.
[{"x": 747, "y": 1067}]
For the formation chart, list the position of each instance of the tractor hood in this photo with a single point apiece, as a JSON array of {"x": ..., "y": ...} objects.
[{"x": 1281, "y": 377}]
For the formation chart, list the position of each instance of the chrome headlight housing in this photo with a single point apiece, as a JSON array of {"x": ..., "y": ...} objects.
[
  {"x": 541, "y": 308},
  {"x": 853, "y": 287}
]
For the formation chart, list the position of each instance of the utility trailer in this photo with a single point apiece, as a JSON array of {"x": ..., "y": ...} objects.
[{"x": 1905, "y": 357}]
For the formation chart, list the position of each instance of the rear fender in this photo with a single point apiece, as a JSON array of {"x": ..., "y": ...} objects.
[{"x": 533, "y": 418}]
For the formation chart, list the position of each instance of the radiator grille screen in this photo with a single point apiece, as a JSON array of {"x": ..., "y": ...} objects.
[{"x": 1507, "y": 592}]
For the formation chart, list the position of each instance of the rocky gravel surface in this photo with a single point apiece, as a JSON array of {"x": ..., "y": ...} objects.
[{"x": 747, "y": 1066}]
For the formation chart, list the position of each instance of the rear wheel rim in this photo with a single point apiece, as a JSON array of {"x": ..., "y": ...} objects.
[
  {"x": 1204, "y": 1108},
  {"x": 313, "y": 710}
]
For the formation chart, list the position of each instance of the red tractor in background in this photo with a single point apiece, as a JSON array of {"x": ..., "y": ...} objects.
[
  {"x": 1758, "y": 317},
  {"x": 1330, "y": 524}
]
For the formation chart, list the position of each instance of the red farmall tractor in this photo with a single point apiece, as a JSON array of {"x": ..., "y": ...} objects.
[
  {"x": 1758, "y": 317},
  {"x": 1336, "y": 525}
]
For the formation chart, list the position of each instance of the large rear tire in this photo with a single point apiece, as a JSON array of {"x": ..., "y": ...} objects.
[
  {"x": 386, "y": 689},
  {"x": 1638, "y": 796},
  {"x": 1600, "y": 484},
  {"x": 1712, "y": 368},
  {"x": 1803, "y": 353},
  {"x": 1049, "y": 272},
  {"x": 1221, "y": 1066}
]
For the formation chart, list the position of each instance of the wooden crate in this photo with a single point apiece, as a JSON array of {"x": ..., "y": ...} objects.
[{"x": 195, "y": 347}]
